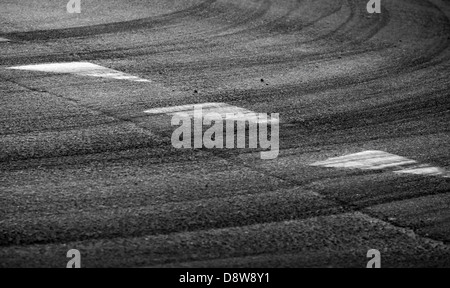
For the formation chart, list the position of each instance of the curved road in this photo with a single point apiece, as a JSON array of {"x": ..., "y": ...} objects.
[{"x": 83, "y": 166}]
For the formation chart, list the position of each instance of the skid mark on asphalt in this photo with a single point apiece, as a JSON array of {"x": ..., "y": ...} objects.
[
  {"x": 226, "y": 111},
  {"x": 378, "y": 160},
  {"x": 81, "y": 69}
]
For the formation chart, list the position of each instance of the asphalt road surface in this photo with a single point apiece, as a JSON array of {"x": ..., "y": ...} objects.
[{"x": 364, "y": 107}]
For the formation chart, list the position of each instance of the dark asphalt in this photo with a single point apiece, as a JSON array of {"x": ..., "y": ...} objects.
[{"x": 83, "y": 167}]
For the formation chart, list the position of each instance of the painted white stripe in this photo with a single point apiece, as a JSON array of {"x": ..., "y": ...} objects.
[
  {"x": 184, "y": 108},
  {"x": 425, "y": 170},
  {"x": 225, "y": 110},
  {"x": 378, "y": 160},
  {"x": 366, "y": 160},
  {"x": 81, "y": 69},
  {"x": 3, "y": 40}
]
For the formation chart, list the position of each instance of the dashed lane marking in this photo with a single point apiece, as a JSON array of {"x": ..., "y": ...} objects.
[
  {"x": 3, "y": 40},
  {"x": 425, "y": 170},
  {"x": 81, "y": 69},
  {"x": 226, "y": 111},
  {"x": 366, "y": 160},
  {"x": 378, "y": 160}
]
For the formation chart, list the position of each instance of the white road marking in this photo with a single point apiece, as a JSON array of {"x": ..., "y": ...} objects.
[
  {"x": 234, "y": 113},
  {"x": 366, "y": 160},
  {"x": 425, "y": 170},
  {"x": 81, "y": 69},
  {"x": 3, "y": 40},
  {"x": 378, "y": 160}
]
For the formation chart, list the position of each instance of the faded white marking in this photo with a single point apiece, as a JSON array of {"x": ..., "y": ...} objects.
[
  {"x": 3, "y": 40},
  {"x": 378, "y": 160},
  {"x": 425, "y": 170},
  {"x": 366, "y": 160},
  {"x": 227, "y": 111},
  {"x": 81, "y": 69}
]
